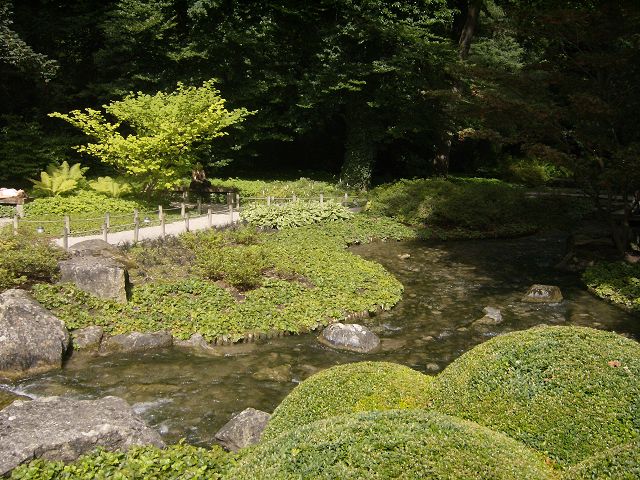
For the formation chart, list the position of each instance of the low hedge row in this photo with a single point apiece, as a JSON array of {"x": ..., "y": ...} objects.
[{"x": 617, "y": 282}]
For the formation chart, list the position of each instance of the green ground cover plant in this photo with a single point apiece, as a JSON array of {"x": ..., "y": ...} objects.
[
  {"x": 399, "y": 444},
  {"x": 293, "y": 214},
  {"x": 26, "y": 258},
  {"x": 350, "y": 388},
  {"x": 569, "y": 392},
  {"x": 179, "y": 461},
  {"x": 618, "y": 282},
  {"x": 303, "y": 187},
  {"x": 7, "y": 211},
  {"x": 471, "y": 207},
  {"x": 308, "y": 280},
  {"x": 618, "y": 463}
]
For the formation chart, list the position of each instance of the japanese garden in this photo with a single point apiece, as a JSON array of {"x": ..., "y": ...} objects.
[{"x": 341, "y": 239}]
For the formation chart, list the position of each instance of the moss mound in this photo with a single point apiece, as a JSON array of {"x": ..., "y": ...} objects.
[
  {"x": 394, "y": 444},
  {"x": 618, "y": 463},
  {"x": 350, "y": 388},
  {"x": 569, "y": 392}
]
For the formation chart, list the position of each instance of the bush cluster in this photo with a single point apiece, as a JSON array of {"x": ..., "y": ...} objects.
[
  {"x": 569, "y": 392},
  {"x": 26, "y": 258},
  {"x": 293, "y": 214},
  {"x": 617, "y": 463},
  {"x": 618, "y": 282},
  {"x": 303, "y": 187},
  {"x": 175, "y": 462},
  {"x": 394, "y": 444},
  {"x": 350, "y": 388},
  {"x": 83, "y": 202}
]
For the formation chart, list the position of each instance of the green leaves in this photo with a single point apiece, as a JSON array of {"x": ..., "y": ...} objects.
[
  {"x": 293, "y": 214},
  {"x": 110, "y": 187},
  {"x": 57, "y": 180},
  {"x": 618, "y": 282},
  {"x": 168, "y": 129}
]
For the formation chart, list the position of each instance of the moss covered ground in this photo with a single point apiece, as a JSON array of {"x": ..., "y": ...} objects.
[
  {"x": 617, "y": 282},
  {"x": 617, "y": 463}
]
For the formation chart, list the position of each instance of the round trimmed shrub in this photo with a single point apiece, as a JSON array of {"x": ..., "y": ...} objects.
[
  {"x": 354, "y": 387},
  {"x": 399, "y": 444},
  {"x": 618, "y": 463},
  {"x": 569, "y": 392}
]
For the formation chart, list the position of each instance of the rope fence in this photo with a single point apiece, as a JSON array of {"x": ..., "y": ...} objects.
[{"x": 108, "y": 223}]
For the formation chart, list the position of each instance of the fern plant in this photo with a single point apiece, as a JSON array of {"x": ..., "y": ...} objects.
[
  {"x": 57, "y": 180},
  {"x": 110, "y": 187}
]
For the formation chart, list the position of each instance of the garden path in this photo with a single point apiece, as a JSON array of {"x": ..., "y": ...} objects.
[{"x": 150, "y": 233}]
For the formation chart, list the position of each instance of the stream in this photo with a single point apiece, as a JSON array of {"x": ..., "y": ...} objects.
[{"x": 192, "y": 395}]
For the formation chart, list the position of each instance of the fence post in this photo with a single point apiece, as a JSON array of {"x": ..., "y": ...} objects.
[
  {"x": 199, "y": 206},
  {"x": 107, "y": 220},
  {"x": 160, "y": 212},
  {"x": 15, "y": 224},
  {"x": 294, "y": 198},
  {"x": 105, "y": 231},
  {"x": 67, "y": 223},
  {"x": 136, "y": 228},
  {"x": 186, "y": 222},
  {"x": 346, "y": 199},
  {"x": 183, "y": 209},
  {"x": 268, "y": 200},
  {"x": 162, "y": 225},
  {"x": 322, "y": 199},
  {"x": 65, "y": 238},
  {"x": 209, "y": 217},
  {"x": 237, "y": 201},
  {"x": 231, "y": 213},
  {"x": 136, "y": 215}
]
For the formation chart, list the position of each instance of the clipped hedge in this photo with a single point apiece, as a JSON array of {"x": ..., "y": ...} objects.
[
  {"x": 569, "y": 392},
  {"x": 618, "y": 463},
  {"x": 176, "y": 461},
  {"x": 398, "y": 444},
  {"x": 618, "y": 282},
  {"x": 349, "y": 388}
]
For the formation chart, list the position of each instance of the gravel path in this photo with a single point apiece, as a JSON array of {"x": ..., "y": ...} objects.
[{"x": 149, "y": 233}]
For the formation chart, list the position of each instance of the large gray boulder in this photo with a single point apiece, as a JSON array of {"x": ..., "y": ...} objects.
[
  {"x": 543, "y": 294},
  {"x": 56, "y": 428},
  {"x": 32, "y": 340},
  {"x": 351, "y": 336},
  {"x": 87, "y": 338},
  {"x": 136, "y": 342},
  {"x": 243, "y": 430},
  {"x": 103, "y": 277},
  {"x": 99, "y": 248}
]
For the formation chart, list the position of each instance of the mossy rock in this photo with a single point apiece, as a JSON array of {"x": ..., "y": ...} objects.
[
  {"x": 393, "y": 444},
  {"x": 569, "y": 392},
  {"x": 354, "y": 387},
  {"x": 7, "y": 398},
  {"x": 618, "y": 463}
]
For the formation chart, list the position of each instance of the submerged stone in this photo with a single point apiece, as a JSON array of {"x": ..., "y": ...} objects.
[
  {"x": 136, "y": 342},
  {"x": 543, "y": 294}
]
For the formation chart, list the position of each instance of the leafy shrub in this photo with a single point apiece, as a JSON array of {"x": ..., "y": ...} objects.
[
  {"x": 241, "y": 267},
  {"x": 618, "y": 463},
  {"x": 26, "y": 258},
  {"x": 404, "y": 444},
  {"x": 176, "y": 461},
  {"x": 456, "y": 208},
  {"x": 294, "y": 214},
  {"x": 349, "y": 388},
  {"x": 569, "y": 392},
  {"x": 57, "y": 180},
  {"x": 84, "y": 202},
  {"x": 532, "y": 172},
  {"x": 303, "y": 187},
  {"x": 7, "y": 211},
  {"x": 110, "y": 187},
  {"x": 618, "y": 282}
]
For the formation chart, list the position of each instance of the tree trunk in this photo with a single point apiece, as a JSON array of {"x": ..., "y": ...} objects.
[
  {"x": 469, "y": 29},
  {"x": 441, "y": 158},
  {"x": 360, "y": 151}
]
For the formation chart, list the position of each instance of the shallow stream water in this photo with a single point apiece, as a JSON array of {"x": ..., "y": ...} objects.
[{"x": 446, "y": 287}]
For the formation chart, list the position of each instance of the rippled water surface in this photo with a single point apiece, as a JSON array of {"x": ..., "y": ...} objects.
[{"x": 446, "y": 287}]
